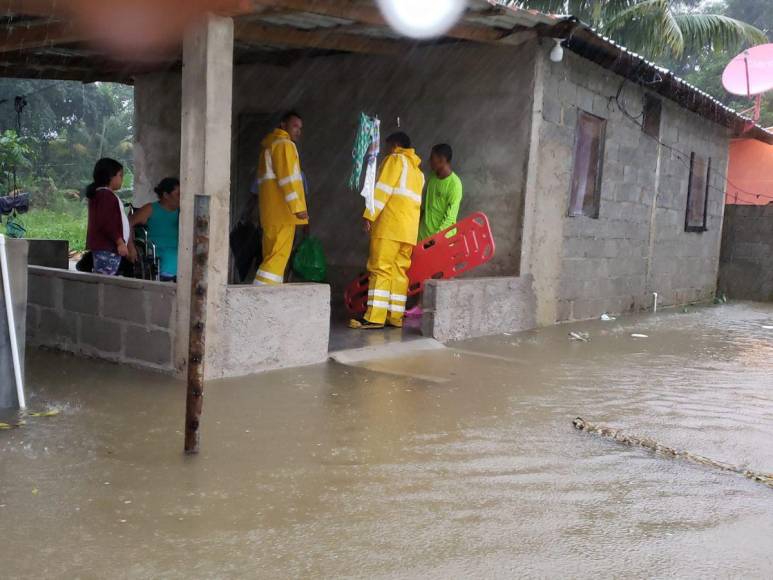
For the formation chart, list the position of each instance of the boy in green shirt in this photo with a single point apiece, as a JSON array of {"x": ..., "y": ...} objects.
[
  {"x": 440, "y": 206},
  {"x": 440, "y": 209}
]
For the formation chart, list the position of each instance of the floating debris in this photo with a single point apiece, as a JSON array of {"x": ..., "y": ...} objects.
[
  {"x": 607, "y": 318},
  {"x": 52, "y": 413},
  {"x": 580, "y": 336},
  {"x": 632, "y": 440},
  {"x": 636, "y": 335}
]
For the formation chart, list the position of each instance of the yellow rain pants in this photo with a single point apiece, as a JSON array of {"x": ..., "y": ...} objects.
[
  {"x": 388, "y": 266},
  {"x": 277, "y": 247}
]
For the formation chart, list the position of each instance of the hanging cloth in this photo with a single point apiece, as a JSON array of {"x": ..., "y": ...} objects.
[
  {"x": 362, "y": 141},
  {"x": 371, "y": 162},
  {"x": 365, "y": 154}
]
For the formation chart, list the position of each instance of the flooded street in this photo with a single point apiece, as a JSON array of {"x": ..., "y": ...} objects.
[{"x": 451, "y": 463}]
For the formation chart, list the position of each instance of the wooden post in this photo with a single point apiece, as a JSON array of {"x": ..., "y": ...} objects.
[{"x": 198, "y": 324}]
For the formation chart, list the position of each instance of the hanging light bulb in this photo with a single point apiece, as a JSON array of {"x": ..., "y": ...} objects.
[
  {"x": 422, "y": 19},
  {"x": 557, "y": 53}
]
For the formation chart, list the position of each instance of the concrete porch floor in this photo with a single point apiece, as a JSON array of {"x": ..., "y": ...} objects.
[
  {"x": 344, "y": 338},
  {"x": 343, "y": 470}
]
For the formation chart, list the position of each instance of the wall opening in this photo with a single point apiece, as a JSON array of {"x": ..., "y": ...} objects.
[
  {"x": 697, "y": 194},
  {"x": 588, "y": 160}
]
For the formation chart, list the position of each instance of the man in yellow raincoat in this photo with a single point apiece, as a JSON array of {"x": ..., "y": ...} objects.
[
  {"x": 282, "y": 199},
  {"x": 394, "y": 228}
]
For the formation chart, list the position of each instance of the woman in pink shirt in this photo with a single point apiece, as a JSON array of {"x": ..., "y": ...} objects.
[{"x": 108, "y": 228}]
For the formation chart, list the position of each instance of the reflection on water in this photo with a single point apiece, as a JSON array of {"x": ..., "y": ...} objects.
[{"x": 349, "y": 471}]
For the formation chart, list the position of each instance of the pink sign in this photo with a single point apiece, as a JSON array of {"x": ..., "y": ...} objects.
[{"x": 751, "y": 72}]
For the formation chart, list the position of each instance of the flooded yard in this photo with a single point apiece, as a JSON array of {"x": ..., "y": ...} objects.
[{"x": 450, "y": 463}]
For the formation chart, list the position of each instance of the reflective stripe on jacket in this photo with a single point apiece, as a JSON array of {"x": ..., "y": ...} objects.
[
  {"x": 280, "y": 182},
  {"x": 398, "y": 198}
]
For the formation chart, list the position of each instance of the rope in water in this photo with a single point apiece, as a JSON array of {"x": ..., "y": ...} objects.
[{"x": 632, "y": 440}]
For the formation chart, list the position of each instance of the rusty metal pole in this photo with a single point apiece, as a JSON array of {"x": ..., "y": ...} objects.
[{"x": 198, "y": 324}]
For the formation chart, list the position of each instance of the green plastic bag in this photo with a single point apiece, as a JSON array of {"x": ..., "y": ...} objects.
[{"x": 309, "y": 262}]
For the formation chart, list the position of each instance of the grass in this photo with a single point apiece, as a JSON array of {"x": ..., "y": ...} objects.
[{"x": 65, "y": 222}]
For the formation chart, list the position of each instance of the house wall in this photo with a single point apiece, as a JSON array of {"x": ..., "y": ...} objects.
[
  {"x": 746, "y": 264},
  {"x": 750, "y": 173},
  {"x": 584, "y": 267},
  {"x": 440, "y": 94}
]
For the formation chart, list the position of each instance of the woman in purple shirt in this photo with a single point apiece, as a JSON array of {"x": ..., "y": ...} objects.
[{"x": 108, "y": 228}]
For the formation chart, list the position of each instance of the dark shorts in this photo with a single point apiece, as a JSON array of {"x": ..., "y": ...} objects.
[{"x": 106, "y": 263}]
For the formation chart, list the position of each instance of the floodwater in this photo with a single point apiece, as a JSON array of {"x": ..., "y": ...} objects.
[{"x": 464, "y": 464}]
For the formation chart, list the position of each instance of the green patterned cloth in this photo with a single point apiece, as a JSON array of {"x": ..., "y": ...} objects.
[{"x": 362, "y": 143}]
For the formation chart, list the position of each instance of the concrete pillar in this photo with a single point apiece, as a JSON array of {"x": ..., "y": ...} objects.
[
  {"x": 17, "y": 270},
  {"x": 542, "y": 213},
  {"x": 205, "y": 167}
]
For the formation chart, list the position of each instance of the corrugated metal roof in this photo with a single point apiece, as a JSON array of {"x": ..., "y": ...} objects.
[{"x": 627, "y": 61}]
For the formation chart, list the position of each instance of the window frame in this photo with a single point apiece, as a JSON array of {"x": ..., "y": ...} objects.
[
  {"x": 703, "y": 227},
  {"x": 581, "y": 114}
]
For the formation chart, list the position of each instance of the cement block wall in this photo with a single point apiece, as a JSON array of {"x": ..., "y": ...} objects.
[
  {"x": 440, "y": 94},
  {"x": 461, "y": 309},
  {"x": 638, "y": 245},
  {"x": 116, "y": 319},
  {"x": 746, "y": 261},
  {"x": 16, "y": 251},
  {"x": 267, "y": 328}
]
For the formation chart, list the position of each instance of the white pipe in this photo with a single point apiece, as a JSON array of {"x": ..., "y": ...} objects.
[
  {"x": 654, "y": 302},
  {"x": 11, "y": 323}
]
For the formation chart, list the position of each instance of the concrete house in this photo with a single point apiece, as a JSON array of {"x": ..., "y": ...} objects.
[{"x": 602, "y": 174}]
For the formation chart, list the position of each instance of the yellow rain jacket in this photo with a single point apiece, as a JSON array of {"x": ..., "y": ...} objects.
[
  {"x": 398, "y": 198},
  {"x": 280, "y": 183}
]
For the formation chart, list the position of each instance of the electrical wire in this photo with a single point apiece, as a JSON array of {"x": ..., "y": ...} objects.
[{"x": 680, "y": 155}]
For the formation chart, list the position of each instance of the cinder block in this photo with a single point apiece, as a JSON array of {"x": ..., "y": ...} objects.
[
  {"x": 584, "y": 99},
  {"x": 467, "y": 308},
  {"x": 148, "y": 346},
  {"x": 33, "y": 318},
  {"x": 564, "y": 311},
  {"x": 101, "y": 334},
  {"x": 44, "y": 290},
  {"x": 57, "y": 329},
  {"x": 162, "y": 308},
  {"x": 551, "y": 110},
  {"x": 80, "y": 297},
  {"x": 124, "y": 303}
]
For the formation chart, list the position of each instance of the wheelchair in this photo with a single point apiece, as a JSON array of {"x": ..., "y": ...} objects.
[{"x": 147, "y": 266}]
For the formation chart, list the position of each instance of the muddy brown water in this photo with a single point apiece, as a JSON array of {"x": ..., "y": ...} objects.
[{"x": 335, "y": 471}]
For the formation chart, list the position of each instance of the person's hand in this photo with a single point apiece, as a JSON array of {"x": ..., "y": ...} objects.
[
  {"x": 302, "y": 215},
  {"x": 132, "y": 252},
  {"x": 123, "y": 250},
  {"x": 367, "y": 225}
]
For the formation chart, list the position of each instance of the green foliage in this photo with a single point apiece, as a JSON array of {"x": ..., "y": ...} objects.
[
  {"x": 15, "y": 155},
  {"x": 70, "y": 125},
  {"x": 704, "y": 68},
  {"x": 67, "y": 221},
  {"x": 65, "y": 128},
  {"x": 655, "y": 28}
]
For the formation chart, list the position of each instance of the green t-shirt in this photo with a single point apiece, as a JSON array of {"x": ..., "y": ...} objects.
[{"x": 440, "y": 208}]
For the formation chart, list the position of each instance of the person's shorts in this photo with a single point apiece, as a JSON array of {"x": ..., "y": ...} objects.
[{"x": 106, "y": 263}]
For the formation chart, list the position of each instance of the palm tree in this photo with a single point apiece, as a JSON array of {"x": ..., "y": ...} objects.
[{"x": 655, "y": 28}]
